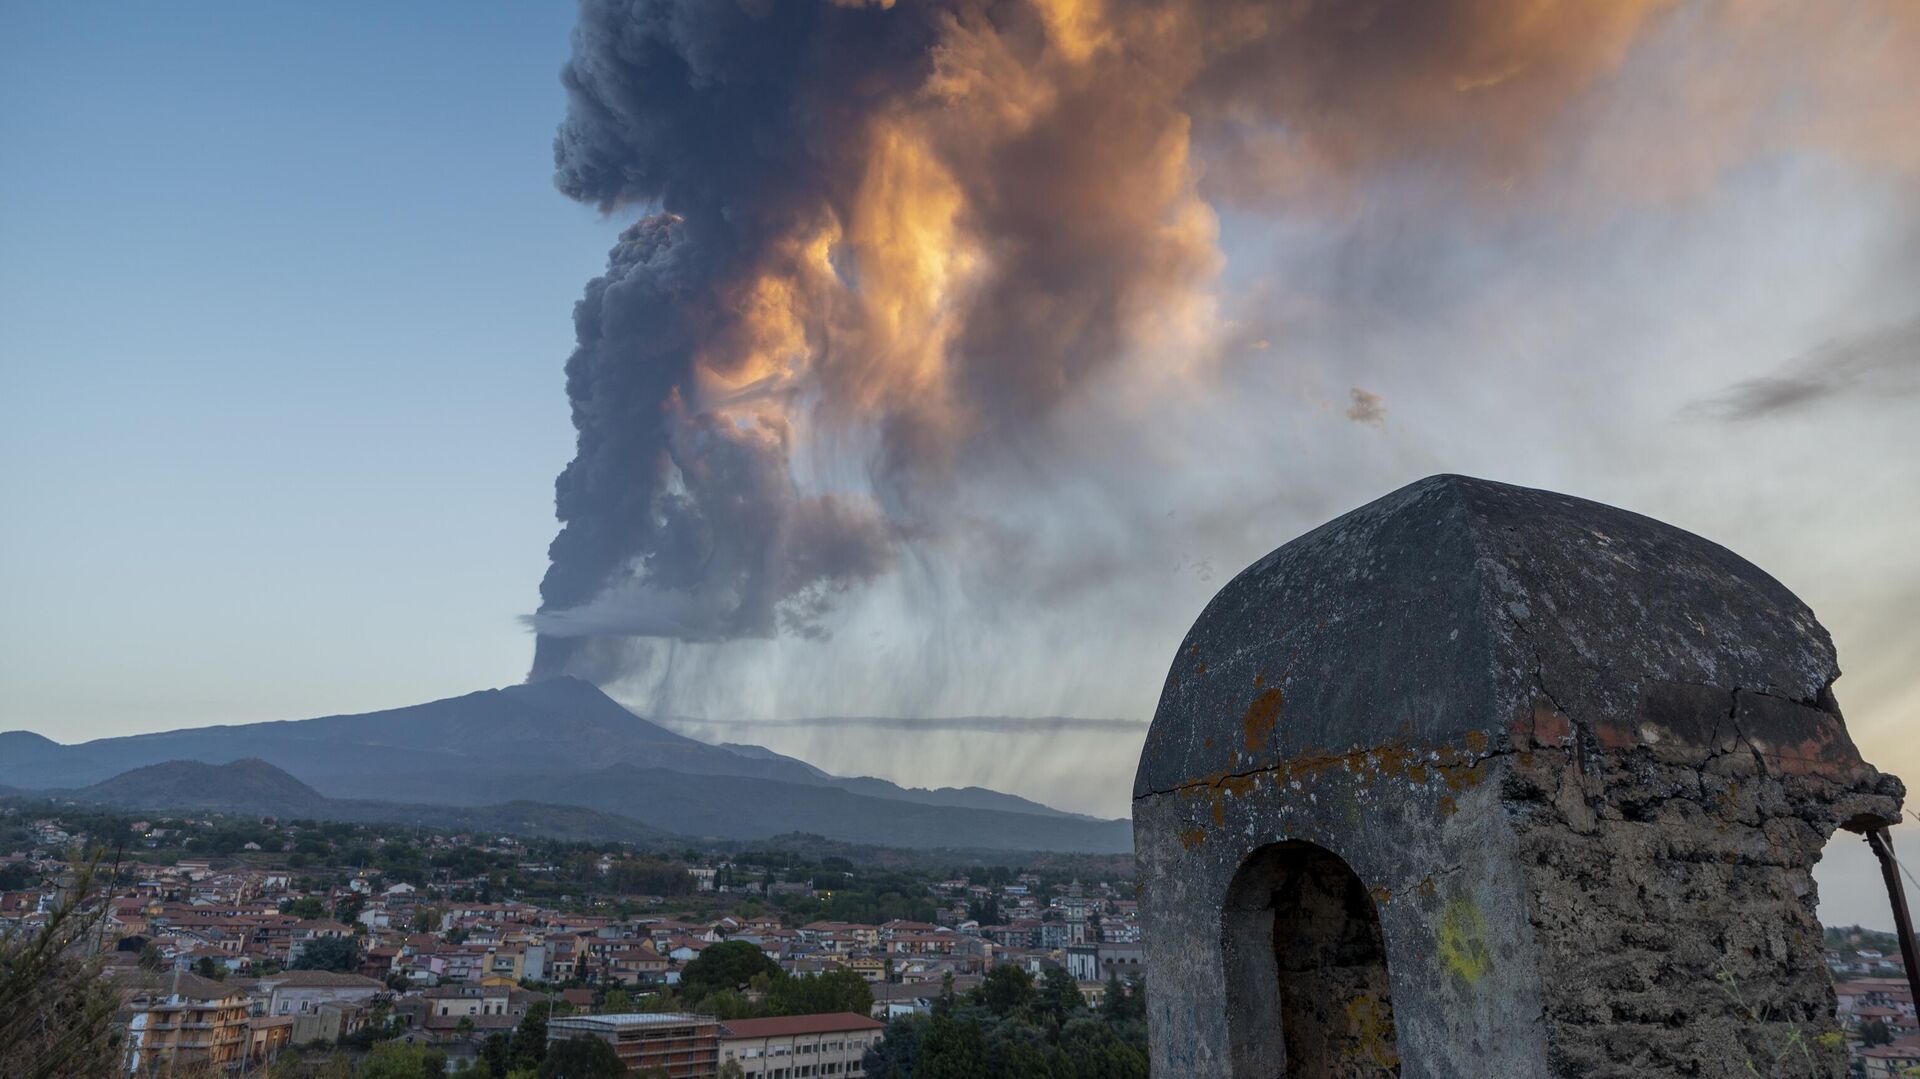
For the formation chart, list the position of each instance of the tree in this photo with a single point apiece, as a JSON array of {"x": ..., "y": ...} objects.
[
  {"x": 151, "y": 957},
  {"x": 399, "y": 1060},
  {"x": 731, "y": 1069},
  {"x": 1113, "y": 1006},
  {"x": 1874, "y": 1032},
  {"x": 56, "y": 1013},
  {"x": 1006, "y": 990},
  {"x": 728, "y": 965},
  {"x": 892, "y": 1057},
  {"x": 952, "y": 1049},
  {"x": 328, "y": 953},
  {"x": 582, "y": 1058},
  {"x": 496, "y": 1054},
  {"x": 529, "y": 1045},
  {"x": 1137, "y": 999},
  {"x": 986, "y": 911},
  {"x": 306, "y": 906},
  {"x": 834, "y": 991},
  {"x": 1059, "y": 997}
]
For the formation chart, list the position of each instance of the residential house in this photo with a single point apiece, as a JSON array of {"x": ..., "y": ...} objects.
[{"x": 297, "y": 992}]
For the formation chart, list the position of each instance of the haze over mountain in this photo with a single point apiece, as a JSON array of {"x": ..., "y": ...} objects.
[{"x": 558, "y": 742}]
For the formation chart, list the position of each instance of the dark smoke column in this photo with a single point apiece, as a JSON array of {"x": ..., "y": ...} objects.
[{"x": 680, "y": 518}]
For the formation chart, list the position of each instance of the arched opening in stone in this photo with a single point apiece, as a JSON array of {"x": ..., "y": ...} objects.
[{"x": 1306, "y": 966}]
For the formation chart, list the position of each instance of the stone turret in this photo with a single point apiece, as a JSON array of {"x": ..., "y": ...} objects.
[{"x": 1482, "y": 780}]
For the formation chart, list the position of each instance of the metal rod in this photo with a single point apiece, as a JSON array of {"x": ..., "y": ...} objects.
[{"x": 1882, "y": 845}]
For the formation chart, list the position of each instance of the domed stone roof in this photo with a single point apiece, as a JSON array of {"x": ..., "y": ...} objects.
[{"x": 1458, "y": 611}]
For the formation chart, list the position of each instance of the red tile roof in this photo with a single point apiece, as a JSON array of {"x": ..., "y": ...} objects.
[{"x": 788, "y": 1025}]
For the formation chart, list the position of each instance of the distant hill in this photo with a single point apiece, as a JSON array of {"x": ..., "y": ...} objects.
[
  {"x": 560, "y": 742},
  {"x": 726, "y": 807},
  {"x": 244, "y": 786},
  {"x": 256, "y": 788}
]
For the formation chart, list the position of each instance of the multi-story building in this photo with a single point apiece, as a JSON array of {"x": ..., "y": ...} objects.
[
  {"x": 297, "y": 992},
  {"x": 832, "y": 1046},
  {"x": 683, "y": 1046},
  {"x": 194, "y": 1021}
]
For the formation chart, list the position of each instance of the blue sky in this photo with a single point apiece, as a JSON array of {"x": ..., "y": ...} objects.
[{"x": 283, "y": 307}]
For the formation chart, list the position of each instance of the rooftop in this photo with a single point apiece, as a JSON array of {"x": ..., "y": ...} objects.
[
  {"x": 1437, "y": 614},
  {"x": 318, "y": 979},
  {"x": 788, "y": 1025},
  {"x": 626, "y": 1021}
]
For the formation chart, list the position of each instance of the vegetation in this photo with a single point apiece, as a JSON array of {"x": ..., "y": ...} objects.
[
  {"x": 55, "y": 1011},
  {"x": 328, "y": 953},
  {"x": 1012, "y": 1027},
  {"x": 582, "y": 1058},
  {"x": 736, "y": 980}
]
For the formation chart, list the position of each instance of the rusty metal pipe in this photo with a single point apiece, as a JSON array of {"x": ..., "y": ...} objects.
[{"x": 1882, "y": 845}]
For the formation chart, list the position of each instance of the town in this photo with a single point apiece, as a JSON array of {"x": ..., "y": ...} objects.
[{"x": 224, "y": 945}]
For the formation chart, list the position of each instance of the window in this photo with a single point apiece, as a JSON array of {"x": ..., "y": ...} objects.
[{"x": 1307, "y": 967}]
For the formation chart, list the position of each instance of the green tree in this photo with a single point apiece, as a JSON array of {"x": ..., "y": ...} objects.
[
  {"x": 952, "y": 1049},
  {"x": 304, "y": 907},
  {"x": 728, "y": 965},
  {"x": 496, "y": 1054},
  {"x": 1113, "y": 1003},
  {"x": 398, "y": 1060},
  {"x": 328, "y": 953},
  {"x": 56, "y": 1012},
  {"x": 582, "y": 1058},
  {"x": 986, "y": 911},
  {"x": 1874, "y": 1032},
  {"x": 1006, "y": 990},
  {"x": 529, "y": 1045},
  {"x": 892, "y": 1056},
  {"x": 1059, "y": 997},
  {"x": 834, "y": 991}
]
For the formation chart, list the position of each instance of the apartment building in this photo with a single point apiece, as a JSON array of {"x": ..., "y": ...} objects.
[
  {"x": 800, "y": 1046},
  {"x": 683, "y": 1046},
  {"x": 194, "y": 1021}
]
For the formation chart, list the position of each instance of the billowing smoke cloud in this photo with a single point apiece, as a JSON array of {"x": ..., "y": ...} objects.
[{"x": 886, "y": 243}]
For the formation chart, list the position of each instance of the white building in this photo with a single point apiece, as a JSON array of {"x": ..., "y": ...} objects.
[{"x": 800, "y": 1046}]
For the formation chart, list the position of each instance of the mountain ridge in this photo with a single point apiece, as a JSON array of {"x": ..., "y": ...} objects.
[{"x": 559, "y": 741}]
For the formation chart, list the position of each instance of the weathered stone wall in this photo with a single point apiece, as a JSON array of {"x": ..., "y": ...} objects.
[{"x": 1672, "y": 900}]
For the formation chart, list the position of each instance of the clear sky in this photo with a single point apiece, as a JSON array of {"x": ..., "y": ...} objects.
[
  {"x": 285, "y": 292},
  {"x": 284, "y": 296}
]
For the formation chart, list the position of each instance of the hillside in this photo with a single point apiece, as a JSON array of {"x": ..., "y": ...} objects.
[
  {"x": 256, "y": 788},
  {"x": 244, "y": 786},
  {"x": 733, "y": 808},
  {"x": 552, "y": 743}
]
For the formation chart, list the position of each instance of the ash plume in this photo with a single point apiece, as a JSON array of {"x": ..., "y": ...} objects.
[
  {"x": 1884, "y": 363},
  {"x": 884, "y": 247}
]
